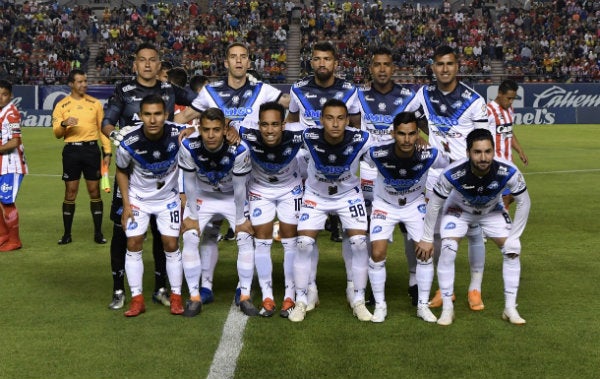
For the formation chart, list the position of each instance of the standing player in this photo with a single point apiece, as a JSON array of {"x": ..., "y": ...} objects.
[
  {"x": 123, "y": 109},
  {"x": 239, "y": 97},
  {"x": 399, "y": 197},
  {"x": 379, "y": 103},
  {"x": 470, "y": 191},
  {"x": 12, "y": 169},
  {"x": 275, "y": 188},
  {"x": 147, "y": 178},
  {"x": 452, "y": 110},
  {"x": 77, "y": 118},
  {"x": 307, "y": 97},
  {"x": 501, "y": 115},
  {"x": 332, "y": 186},
  {"x": 219, "y": 172}
]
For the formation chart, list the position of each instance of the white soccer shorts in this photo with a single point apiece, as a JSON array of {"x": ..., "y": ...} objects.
[
  {"x": 385, "y": 217},
  {"x": 167, "y": 212},
  {"x": 351, "y": 209}
]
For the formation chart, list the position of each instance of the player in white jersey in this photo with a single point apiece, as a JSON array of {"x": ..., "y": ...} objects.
[
  {"x": 215, "y": 183},
  {"x": 379, "y": 103},
  {"x": 147, "y": 178},
  {"x": 332, "y": 186},
  {"x": 470, "y": 191},
  {"x": 12, "y": 169},
  {"x": 501, "y": 115},
  {"x": 239, "y": 97},
  {"x": 275, "y": 188},
  {"x": 453, "y": 110},
  {"x": 399, "y": 197}
]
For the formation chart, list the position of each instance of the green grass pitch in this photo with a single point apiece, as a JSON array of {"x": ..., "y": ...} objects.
[{"x": 54, "y": 320}]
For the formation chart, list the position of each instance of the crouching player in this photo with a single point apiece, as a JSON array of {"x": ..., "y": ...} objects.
[
  {"x": 215, "y": 175},
  {"x": 399, "y": 197},
  {"x": 470, "y": 191},
  {"x": 275, "y": 187},
  {"x": 147, "y": 178}
]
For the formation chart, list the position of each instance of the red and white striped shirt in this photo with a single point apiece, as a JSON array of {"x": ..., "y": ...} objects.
[
  {"x": 501, "y": 126},
  {"x": 14, "y": 161}
]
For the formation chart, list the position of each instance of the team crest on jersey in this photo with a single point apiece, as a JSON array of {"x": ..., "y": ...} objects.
[
  {"x": 331, "y": 158},
  {"x": 443, "y": 108},
  {"x": 271, "y": 156},
  {"x": 402, "y": 172},
  {"x": 322, "y": 101},
  {"x": 235, "y": 100},
  {"x": 156, "y": 154},
  {"x": 381, "y": 107}
]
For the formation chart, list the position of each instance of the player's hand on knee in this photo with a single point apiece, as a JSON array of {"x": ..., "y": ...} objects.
[
  {"x": 424, "y": 250},
  {"x": 245, "y": 227},
  {"x": 189, "y": 224}
]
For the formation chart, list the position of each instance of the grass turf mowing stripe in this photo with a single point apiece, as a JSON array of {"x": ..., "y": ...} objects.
[{"x": 231, "y": 343}]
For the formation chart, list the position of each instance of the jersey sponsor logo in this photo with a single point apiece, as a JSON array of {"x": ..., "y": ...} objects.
[
  {"x": 249, "y": 137},
  {"x": 377, "y": 229},
  {"x": 224, "y": 94},
  {"x": 379, "y": 153},
  {"x": 129, "y": 88},
  {"x": 311, "y": 135},
  {"x": 131, "y": 140},
  {"x": 5, "y": 188},
  {"x": 237, "y": 112},
  {"x": 358, "y": 138},
  {"x": 312, "y": 114},
  {"x": 379, "y": 118},
  {"x": 172, "y": 146},
  {"x": 502, "y": 171},
  {"x": 458, "y": 174},
  {"x": 309, "y": 95},
  {"x": 195, "y": 145},
  {"x": 140, "y": 152},
  {"x": 504, "y": 129}
]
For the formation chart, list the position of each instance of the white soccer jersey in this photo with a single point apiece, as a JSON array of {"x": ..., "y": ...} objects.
[
  {"x": 307, "y": 99},
  {"x": 451, "y": 117},
  {"x": 10, "y": 123},
  {"x": 331, "y": 169},
  {"x": 237, "y": 104},
  {"x": 213, "y": 170},
  {"x": 152, "y": 164},
  {"x": 275, "y": 170},
  {"x": 501, "y": 126}
]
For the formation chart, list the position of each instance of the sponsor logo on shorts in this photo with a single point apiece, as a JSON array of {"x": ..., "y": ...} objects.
[
  {"x": 450, "y": 226},
  {"x": 297, "y": 190},
  {"x": 132, "y": 225},
  {"x": 376, "y": 229},
  {"x": 378, "y": 215},
  {"x": 172, "y": 205},
  {"x": 304, "y": 217},
  {"x": 422, "y": 208},
  {"x": 354, "y": 201},
  {"x": 309, "y": 204},
  {"x": 256, "y": 213}
]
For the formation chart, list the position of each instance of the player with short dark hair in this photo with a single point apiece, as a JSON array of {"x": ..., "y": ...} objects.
[{"x": 469, "y": 192}]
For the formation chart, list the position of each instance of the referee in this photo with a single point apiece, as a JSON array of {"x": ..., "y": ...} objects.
[{"x": 77, "y": 118}]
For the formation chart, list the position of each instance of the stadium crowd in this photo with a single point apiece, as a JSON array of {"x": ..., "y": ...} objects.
[{"x": 548, "y": 41}]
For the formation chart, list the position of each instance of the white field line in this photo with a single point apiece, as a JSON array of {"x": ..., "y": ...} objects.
[{"x": 232, "y": 340}]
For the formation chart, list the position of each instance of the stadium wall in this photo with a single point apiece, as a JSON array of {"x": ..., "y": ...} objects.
[{"x": 536, "y": 103}]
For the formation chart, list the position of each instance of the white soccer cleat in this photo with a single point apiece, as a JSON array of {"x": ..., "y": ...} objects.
[
  {"x": 361, "y": 312},
  {"x": 425, "y": 313},
  {"x": 380, "y": 313},
  {"x": 446, "y": 318},
  {"x": 312, "y": 298},
  {"x": 350, "y": 293},
  {"x": 298, "y": 313},
  {"x": 511, "y": 315}
]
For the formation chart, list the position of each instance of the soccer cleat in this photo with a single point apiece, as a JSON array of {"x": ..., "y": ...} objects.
[
  {"x": 247, "y": 307},
  {"x": 446, "y": 318},
  {"x": 511, "y": 315},
  {"x": 413, "y": 292},
  {"x": 268, "y": 308},
  {"x": 192, "y": 308},
  {"x": 336, "y": 236},
  {"x": 10, "y": 246},
  {"x": 425, "y": 313},
  {"x": 65, "y": 240},
  {"x": 298, "y": 313},
  {"x": 206, "y": 295},
  {"x": 380, "y": 313},
  {"x": 136, "y": 307},
  {"x": 361, "y": 312},
  {"x": 313, "y": 298},
  {"x": 436, "y": 300},
  {"x": 475, "y": 302},
  {"x": 118, "y": 300},
  {"x": 161, "y": 296},
  {"x": 176, "y": 304},
  {"x": 99, "y": 239},
  {"x": 236, "y": 298},
  {"x": 286, "y": 307}
]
